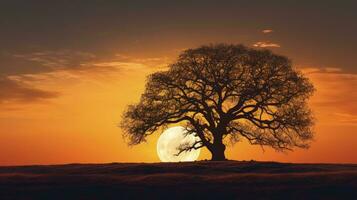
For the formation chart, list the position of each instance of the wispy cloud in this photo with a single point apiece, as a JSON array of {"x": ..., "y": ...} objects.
[
  {"x": 266, "y": 44},
  {"x": 69, "y": 66},
  {"x": 127, "y": 62},
  {"x": 335, "y": 99},
  {"x": 311, "y": 70},
  {"x": 347, "y": 118},
  {"x": 266, "y": 31},
  {"x": 58, "y": 60},
  {"x": 120, "y": 65},
  {"x": 27, "y": 81},
  {"x": 16, "y": 91}
]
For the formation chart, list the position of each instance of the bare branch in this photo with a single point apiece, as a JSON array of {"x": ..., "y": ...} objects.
[{"x": 226, "y": 90}]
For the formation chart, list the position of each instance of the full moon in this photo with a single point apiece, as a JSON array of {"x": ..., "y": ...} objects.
[{"x": 169, "y": 142}]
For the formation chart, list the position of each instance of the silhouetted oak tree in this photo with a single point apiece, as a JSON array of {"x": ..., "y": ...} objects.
[{"x": 225, "y": 93}]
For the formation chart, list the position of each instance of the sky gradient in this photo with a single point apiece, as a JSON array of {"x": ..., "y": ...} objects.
[{"x": 69, "y": 68}]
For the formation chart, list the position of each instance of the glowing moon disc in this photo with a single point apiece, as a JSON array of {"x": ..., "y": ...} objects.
[{"x": 169, "y": 142}]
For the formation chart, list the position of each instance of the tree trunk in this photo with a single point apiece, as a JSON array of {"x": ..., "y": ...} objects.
[{"x": 217, "y": 152}]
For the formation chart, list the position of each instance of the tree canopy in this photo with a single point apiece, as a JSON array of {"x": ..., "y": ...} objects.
[{"x": 226, "y": 93}]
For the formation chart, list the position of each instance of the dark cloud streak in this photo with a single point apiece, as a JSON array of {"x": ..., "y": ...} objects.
[{"x": 15, "y": 91}]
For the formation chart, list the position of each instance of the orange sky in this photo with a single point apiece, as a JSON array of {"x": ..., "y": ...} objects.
[
  {"x": 80, "y": 125},
  {"x": 65, "y": 80}
]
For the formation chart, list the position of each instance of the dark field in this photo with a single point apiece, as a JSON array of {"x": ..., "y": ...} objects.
[{"x": 197, "y": 180}]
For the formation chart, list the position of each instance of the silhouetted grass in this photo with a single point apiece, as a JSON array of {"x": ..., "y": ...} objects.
[{"x": 195, "y": 180}]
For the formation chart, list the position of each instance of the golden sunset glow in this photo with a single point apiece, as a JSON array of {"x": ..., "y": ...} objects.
[
  {"x": 62, "y": 95},
  {"x": 80, "y": 125}
]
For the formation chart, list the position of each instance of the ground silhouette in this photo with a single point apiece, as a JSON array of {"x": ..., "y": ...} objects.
[{"x": 192, "y": 180}]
